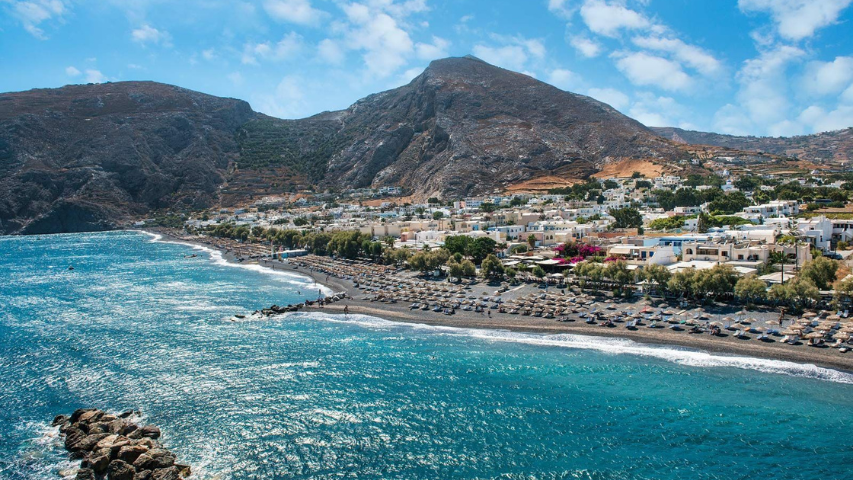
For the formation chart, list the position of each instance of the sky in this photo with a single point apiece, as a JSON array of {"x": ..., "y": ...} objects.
[{"x": 743, "y": 67}]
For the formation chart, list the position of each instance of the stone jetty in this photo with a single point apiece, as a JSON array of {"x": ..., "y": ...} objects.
[
  {"x": 277, "y": 310},
  {"x": 113, "y": 447}
]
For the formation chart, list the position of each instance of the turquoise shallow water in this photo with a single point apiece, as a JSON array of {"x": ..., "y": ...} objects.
[{"x": 136, "y": 324}]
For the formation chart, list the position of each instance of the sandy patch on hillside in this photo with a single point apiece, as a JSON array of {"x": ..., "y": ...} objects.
[
  {"x": 542, "y": 184},
  {"x": 627, "y": 167}
]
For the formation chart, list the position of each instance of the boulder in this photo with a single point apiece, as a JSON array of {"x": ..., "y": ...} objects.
[
  {"x": 150, "y": 431},
  {"x": 156, "y": 458},
  {"x": 77, "y": 413},
  {"x": 130, "y": 453},
  {"x": 90, "y": 416},
  {"x": 72, "y": 436},
  {"x": 119, "y": 470},
  {"x": 85, "y": 474},
  {"x": 129, "y": 428},
  {"x": 113, "y": 442},
  {"x": 117, "y": 426},
  {"x": 59, "y": 420},
  {"x": 99, "y": 427},
  {"x": 170, "y": 473},
  {"x": 99, "y": 461},
  {"x": 127, "y": 414},
  {"x": 107, "y": 418},
  {"x": 88, "y": 443},
  {"x": 143, "y": 475},
  {"x": 146, "y": 442},
  {"x": 184, "y": 470}
]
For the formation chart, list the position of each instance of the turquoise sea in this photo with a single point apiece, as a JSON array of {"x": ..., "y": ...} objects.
[{"x": 139, "y": 324}]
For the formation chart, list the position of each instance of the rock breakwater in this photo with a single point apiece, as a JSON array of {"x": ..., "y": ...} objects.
[{"x": 114, "y": 447}]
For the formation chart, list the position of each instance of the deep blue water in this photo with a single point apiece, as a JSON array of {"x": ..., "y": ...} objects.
[{"x": 136, "y": 324}]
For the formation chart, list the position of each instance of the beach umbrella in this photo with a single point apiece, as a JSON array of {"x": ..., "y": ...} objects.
[{"x": 814, "y": 335}]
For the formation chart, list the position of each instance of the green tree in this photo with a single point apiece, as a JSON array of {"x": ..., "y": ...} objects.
[
  {"x": 821, "y": 271},
  {"x": 844, "y": 292},
  {"x": 619, "y": 274},
  {"x": 626, "y": 217},
  {"x": 531, "y": 241},
  {"x": 457, "y": 244},
  {"x": 797, "y": 293},
  {"x": 468, "y": 268},
  {"x": 667, "y": 223},
  {"x": 480, "y": 248},
  {"x": 491, "y": 267},
  {"x": 437, "y": 215},
  {"x": 751, "y": 289},
  {"x": 454, "y": 269},
  {"x": 538, "y": 272},
  {"x": 656, "y": 275},
  {"x": 702, "y": 222}
]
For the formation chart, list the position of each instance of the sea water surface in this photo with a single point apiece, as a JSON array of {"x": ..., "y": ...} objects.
[{"x": 137, "y": 324}]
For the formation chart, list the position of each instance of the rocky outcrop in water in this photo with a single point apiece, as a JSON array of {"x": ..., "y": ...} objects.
[{"x": 113, "y": 447}]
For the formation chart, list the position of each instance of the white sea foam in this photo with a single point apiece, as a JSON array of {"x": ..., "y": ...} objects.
[
  {"x": 610, "y": 345},
  {"x": 217, "y": 258}
]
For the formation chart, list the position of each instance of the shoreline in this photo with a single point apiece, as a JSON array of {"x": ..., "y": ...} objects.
[{"x": 801, "y": 354}]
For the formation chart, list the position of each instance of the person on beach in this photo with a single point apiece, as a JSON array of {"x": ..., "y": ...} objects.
[{"x": 346, "y": 309}]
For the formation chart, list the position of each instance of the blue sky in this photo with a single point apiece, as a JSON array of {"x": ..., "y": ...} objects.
[{"x": 759, "y": 67}]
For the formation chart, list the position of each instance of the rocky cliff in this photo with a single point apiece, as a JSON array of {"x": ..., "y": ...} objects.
[
  {"x": 831, "y": 147},
  {"x": 85, "y": 157},
  {"x": 462, "y": 127},
  {"x": 82, "y": 157}
]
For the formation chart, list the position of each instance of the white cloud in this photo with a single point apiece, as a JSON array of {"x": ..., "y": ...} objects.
[
  {"x": 585, "y": 46},
  {"x": 410, "y": 74},
  {"x": 286, "y": 48},
  {"x": 763, "y": 98},
  {"x": 689, "y": 55},
  {"x": 71, "y": 71},
  {"x": 847, "y": 96},
  {"x": 820, "y": 120},
  {"x": 134, "y": 66},
  {"x": 654, "y": 111},
  {"x": 563, "y": 79},
  {"x": 560, "y": 8},
  {"x": 827, "y": 78},
  {"x": 330, "y": 52},
  {"x": 209, "y": 54},
  {"x": 644, "y": 69},
  {"x": 512, "y": 57},
  {"x": 235, "y": 78},
  {"x": 763, "y": 80},
  {"x": 33, "y": 13},
  {"x": 294, "y": 11},
  {"x": 610, "y": 96},
  {"x": 288, "y": 100},
  {"x": 147, "y": 34},
  {"x": 513, "y": 54},
  {"x": 95, "y": 76},
  {"x": 732, "y": 120},
  {"x": 797, "y": 19},
  {"x": 785, "y": 128},
  {"x": 385, "y": 45},
  {"x": 607, "y": 19},
  {"x": 534, "y": 46},
  {"x": 434, "y": 50}
]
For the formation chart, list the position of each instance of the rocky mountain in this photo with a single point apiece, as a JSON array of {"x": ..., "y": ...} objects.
[
  {"x": 84, "y": 157},
  {"x": 462, "y": 127},
  {"x": 828, "y": 147}
]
